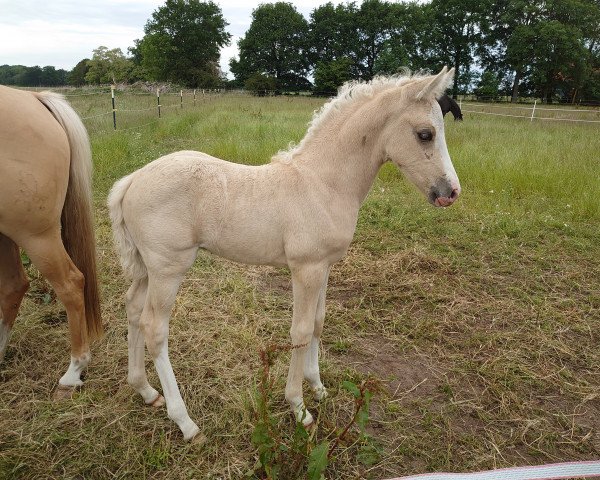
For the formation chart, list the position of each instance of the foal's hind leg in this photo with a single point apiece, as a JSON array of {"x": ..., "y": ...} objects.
[
  {"x": 47, "y": 253},
  {"x": 134, "y": 304},
  {"x": 164, "y": 277},
  {"x": 13, "y": 285},
  {"x": 311, "y": 363}
]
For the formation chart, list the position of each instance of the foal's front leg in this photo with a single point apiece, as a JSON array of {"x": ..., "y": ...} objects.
[{"x": 307, "y": 283}]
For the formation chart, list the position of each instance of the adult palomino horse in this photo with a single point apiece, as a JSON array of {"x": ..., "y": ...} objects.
[
  {"x": 300, "y": 210},
  {"x": 46, "y": 209}
]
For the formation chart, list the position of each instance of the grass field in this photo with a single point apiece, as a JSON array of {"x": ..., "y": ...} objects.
[{"x": 481, "y": 321}]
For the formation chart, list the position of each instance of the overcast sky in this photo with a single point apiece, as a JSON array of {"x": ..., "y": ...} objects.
[{"x": 63, "y": 32}]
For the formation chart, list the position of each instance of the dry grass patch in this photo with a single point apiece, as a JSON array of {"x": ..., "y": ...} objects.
[{"x": 481, "y": 322}]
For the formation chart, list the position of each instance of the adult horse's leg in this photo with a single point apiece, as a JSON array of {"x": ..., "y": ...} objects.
[
  {"x": 311, "y": 364},
  {"x": 164, "y": 277},
  {"x": 307, "y": 283},
  {"x": 13, "y": 285},
  {"x": 134, "y": 304},
  {"x": 47, "y": 253}
]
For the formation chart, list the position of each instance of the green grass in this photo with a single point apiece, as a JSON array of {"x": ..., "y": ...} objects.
[{"x": 481, "y": 321}]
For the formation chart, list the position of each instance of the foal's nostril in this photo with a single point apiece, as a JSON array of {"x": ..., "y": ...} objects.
[{"x": 454, "y": 194}]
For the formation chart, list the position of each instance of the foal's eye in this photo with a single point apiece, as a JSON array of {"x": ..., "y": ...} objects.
[{"x": 425, "y": 135}]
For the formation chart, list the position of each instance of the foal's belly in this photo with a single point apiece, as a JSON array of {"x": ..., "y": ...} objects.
[{"x": 249, "y": 247}]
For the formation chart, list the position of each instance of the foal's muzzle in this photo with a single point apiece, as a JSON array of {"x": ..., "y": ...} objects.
[{"x": 443, "y": 193}]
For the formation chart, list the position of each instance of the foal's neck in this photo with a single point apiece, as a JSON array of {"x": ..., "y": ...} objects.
[{"x": 345, "y": 154}]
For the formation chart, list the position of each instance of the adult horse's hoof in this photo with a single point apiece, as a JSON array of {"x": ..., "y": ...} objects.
[{"x": 157, "y": 402}]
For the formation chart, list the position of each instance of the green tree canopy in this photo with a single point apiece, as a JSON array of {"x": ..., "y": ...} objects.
[
  {"x": 108, "y": 66},
  {"x": 275, "y": 44},
  {"x": 76, "y": 76},
  {"x": 182, "y": 43},
  {"x": 333, "y": 35}
]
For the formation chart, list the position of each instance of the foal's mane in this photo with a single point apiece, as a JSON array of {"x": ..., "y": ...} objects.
[{"x": 350, "y": 94}]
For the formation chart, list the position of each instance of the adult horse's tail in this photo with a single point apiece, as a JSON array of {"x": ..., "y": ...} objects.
[
  {"x": 77, "y": 219},
  {"x": 131, "y": 260}
]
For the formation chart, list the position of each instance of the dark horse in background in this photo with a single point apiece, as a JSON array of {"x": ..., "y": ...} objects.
[{"x": 449, "y": 105}]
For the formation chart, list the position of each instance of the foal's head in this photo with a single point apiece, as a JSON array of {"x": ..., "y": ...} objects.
[{"x": 414, "y": 138}]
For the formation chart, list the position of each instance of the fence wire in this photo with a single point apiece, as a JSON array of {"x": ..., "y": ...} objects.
[{"x": 197, "y": 97}]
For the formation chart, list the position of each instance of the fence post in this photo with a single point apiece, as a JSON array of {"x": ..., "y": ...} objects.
[
  {"x": 533, "y": 111},
  {"x": 181, "y": 98},
  {"x": 194, "y": 97},
  {"x": 158, "y": 100},
  {"x": 114, "y": 111}
]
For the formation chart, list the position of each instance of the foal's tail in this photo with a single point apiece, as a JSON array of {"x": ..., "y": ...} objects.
[
  {"x": 131, "y": 260},
  {"x": 77, "y": 219}
]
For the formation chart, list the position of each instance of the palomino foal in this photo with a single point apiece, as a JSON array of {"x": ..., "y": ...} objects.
[{"x": 300, "y": 210}]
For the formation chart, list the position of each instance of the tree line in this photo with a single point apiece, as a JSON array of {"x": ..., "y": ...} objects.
[{"x": 548, "y": 49}]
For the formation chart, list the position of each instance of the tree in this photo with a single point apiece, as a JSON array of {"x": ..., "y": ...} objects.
[
  {"x": 541, "y": 45},
  {"x": 333, "y": 35},
  {"x": 76, "y": 77},
  {"x": 182, "y": 43},
  {"x": 275, "y": 44},
  {"x": 454, "y": 35},
  {"x": 108, "y": 66},
  {"x": 559, "y": 61},
  {"x": 330, "y": 75},
  {"x": 260, "y": 84},
  {"x": 377, "y": 23},
  {"x": 488, "y": 86}
]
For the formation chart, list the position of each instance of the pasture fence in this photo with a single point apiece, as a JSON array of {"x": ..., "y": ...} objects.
[
  {"x": 532, "y": 112},
  {"x": 131, "y": 109}
]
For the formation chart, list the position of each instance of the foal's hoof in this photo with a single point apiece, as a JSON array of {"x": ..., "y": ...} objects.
[
  {"x": 64, "y": 392},
  {"x": 303, "y": 415},
  {"x": 157, "y": 402},
  {"x": 192, "y": 434},
  {"x": 320, "y": 393},
  {"x": 198, "y": 440}
]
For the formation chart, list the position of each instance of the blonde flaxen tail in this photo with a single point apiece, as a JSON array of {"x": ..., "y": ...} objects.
[{"x": 77, "y": 219}]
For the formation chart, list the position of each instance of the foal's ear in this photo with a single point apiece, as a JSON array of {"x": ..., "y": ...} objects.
[{"x": 437, "y": 85}]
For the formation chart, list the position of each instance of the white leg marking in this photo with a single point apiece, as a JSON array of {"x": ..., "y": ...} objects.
[
  {"x": 72, "y": 378},
  {"x": 175, "y": 406},
  {"x": 311, "y": 370},
  {"x": 301, "y": 413}
]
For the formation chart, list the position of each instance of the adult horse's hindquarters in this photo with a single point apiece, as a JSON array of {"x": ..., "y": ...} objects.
[{"x": 46, "y": 208}]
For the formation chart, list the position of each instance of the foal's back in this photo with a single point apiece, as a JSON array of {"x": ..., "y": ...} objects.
[{"x": 190, "y": 199}]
